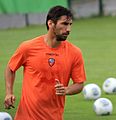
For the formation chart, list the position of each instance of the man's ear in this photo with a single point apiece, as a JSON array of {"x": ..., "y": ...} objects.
[{"x": 50, "y": 23}]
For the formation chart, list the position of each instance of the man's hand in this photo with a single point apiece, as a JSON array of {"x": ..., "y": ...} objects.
[
  {"x": 72, "y": 89},
  {"x": 60, "y": 89},
  {"x": 9, "y": 101}
]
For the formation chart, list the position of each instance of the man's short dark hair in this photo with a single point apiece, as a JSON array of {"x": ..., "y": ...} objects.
[{"x": 56, "y": 12}]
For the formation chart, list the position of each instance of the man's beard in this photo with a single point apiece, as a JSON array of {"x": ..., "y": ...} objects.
[{"x": 61, "y": 37}]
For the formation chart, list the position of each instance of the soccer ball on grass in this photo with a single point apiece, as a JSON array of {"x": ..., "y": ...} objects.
[
  {"x": 91, "y": 91},
  {"x": 5, "y": 116},
  {"x": 103, "y": 106},
  {"x": 109, "y": 85}
]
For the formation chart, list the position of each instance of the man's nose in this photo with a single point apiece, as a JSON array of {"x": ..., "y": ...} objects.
[{"x": 68, "y": 28}]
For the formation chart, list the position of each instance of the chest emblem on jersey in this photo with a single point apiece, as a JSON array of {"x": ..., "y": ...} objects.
[{"x": 51, "y": 62}]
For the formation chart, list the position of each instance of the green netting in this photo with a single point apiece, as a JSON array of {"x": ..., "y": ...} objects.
[{"x": 28, "y": 6}]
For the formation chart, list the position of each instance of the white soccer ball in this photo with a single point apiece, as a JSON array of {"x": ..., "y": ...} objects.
[
  {"x": 109, "y": 85},
  {"x": 91, "y": 91},
  {"x": 5, "y": 116},
  {"x": 103, "y": 106}
]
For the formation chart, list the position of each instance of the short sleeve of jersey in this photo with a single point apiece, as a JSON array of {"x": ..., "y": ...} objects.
[
  {"x": 78, "y": 71},
  {"x": 18, "y": 59}
]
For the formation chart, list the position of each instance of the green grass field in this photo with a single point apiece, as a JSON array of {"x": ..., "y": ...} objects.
[{"x": 97, "y": 39}]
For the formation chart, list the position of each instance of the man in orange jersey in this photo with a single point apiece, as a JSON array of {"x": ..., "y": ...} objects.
[{"x": 49, "y": 61}]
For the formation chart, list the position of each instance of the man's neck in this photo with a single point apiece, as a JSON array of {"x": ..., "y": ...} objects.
[{"x": 51, "y": 41}]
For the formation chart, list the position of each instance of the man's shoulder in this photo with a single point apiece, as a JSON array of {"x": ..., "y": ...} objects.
[
  {"x": 72, "y": 47},
  {"x": 73, "y": 50},
  {"x": 31, "y": 42},
  {"x": 34, "y": 40}
]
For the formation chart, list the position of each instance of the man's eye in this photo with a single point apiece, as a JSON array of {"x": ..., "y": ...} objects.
[{"x": 65, "y": 23}]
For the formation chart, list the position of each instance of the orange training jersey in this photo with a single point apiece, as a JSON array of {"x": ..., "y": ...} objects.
[{"x": 42, "y": 65}]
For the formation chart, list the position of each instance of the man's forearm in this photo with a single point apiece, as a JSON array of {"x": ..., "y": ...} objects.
[
  {"x": 9, "y": 80},
  {"x": 74, "y": 89}
]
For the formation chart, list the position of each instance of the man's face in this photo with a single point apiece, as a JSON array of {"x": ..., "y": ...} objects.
[{"x": 62, "y": 28}]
